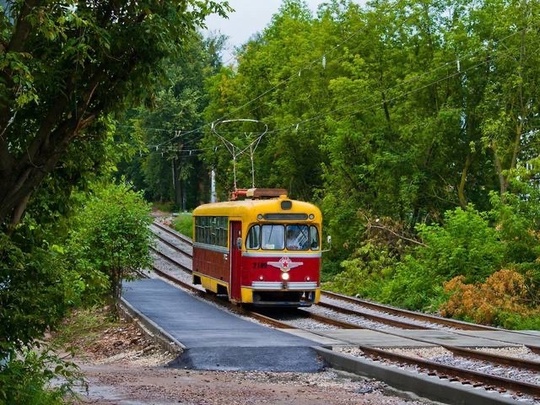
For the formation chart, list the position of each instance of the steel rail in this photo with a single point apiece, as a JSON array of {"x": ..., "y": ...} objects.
[
  {"x": 171, "y": 260},
  {"x": 172, "y": 232},
  {"x": 173, "y": 246},
  {"x": 409, "y": 314},
  {"x": 376, "y": 318},
  {"x": 485, "y": 379}
]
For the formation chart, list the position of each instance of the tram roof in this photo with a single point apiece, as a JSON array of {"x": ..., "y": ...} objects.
[{"x": 249, "y": 206}]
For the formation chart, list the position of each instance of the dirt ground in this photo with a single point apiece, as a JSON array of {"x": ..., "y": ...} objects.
[{"x": 121, "y": 366}]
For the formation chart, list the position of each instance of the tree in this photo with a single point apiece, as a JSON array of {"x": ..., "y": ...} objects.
[
  {"x": 167, "y": 167},
  {"x": 63, "y": 65},
  {"x": 510, "y": 104},
  {"x": 280, "y": 81}
]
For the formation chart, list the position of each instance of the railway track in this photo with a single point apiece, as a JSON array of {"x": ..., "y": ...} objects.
[
  {"x": 506, "y": 374},
  {"x": 522, "y": 370}
]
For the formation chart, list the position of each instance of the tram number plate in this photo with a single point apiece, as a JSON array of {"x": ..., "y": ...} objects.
[{"x": 260, "y": 265}]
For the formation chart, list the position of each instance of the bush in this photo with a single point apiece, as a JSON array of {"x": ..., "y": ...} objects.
[
  {"x": 37, "y": 289},
  {"x": 502, "y": 300},
  {"x": 38, "y": 378},
  {"x": 466, "y": 245},
  {"x": 412, "y": 285},
  {"x": 362, "y": 275},
  {"x": 111, "y": 239}
]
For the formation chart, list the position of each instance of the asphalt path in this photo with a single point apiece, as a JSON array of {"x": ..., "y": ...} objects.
[{"x": 213, "y": 339}]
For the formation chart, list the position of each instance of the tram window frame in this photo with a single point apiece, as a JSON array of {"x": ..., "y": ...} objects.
[
  {"x": 221, "y": 231},
  {"x": 253, "y": 239},
  {"x": 256, "y": 234},
  {"x": 314, "y": 239}
]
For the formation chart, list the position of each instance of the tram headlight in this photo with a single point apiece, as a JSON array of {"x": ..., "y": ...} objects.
[{"x": 285, "y": 276}]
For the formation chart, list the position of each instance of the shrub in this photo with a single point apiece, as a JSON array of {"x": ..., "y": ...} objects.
[
  {"x": 412, "y": 285},
  {"x": 111, "y": 238},
  {"x": 38, "y": 378},
  {"x": 502, "y": 300},
  {"x": 466, "y": 245},
  {"x": 362, "y": 274},
  {"x": 37, "y": 289}
]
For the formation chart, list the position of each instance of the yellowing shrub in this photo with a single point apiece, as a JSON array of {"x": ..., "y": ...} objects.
[{"x": 504, "y": 292}]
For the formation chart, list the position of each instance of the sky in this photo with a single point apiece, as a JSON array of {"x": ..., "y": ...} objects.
[{"x": 249, "y": 17}]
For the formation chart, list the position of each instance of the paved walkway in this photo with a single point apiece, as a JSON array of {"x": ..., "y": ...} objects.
[{"x": 215, "y": 339}]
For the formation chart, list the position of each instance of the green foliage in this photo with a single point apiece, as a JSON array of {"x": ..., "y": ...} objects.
[
  {"x": 289, "y": 155},
  {"x": 363, "y": 274},
  {"x": 518, "y": 218},
  {"x": 183, "y": 223},
  {"x": 517, "y": 321},
  {"x": 330, "y": 268},
  {"x": 166, "y": 132},
  {"x": 466, "y": 245},
  {"x": 111, "y": 238},
  {"x": 72, "y": 67},
  {"x": 37, "y": 288},
  {"x": 391, "y": 108},
  {"x": 38, "y": 378},
  {"x": 413, "y": 285}
]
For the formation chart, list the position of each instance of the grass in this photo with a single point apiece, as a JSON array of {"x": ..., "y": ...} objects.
[
  {"x": 183, "y": 224},
  {"x": 82, "y": 328}
]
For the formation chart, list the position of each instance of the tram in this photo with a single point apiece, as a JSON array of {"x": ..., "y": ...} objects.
[{"x": 261, "y": 249}]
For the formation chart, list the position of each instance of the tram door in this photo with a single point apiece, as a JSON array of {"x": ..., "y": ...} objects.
[{"x": 235, "y": 228}]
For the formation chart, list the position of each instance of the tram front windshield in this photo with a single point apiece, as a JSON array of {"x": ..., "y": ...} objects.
[{"x": 280, "y": 237}]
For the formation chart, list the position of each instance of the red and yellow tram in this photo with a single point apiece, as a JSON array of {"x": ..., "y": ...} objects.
[{"x": 262, "y": 250}]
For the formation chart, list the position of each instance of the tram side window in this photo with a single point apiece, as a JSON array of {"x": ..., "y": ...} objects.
[
  {"x": 211, "y": 230},
  {"x": 200, "y": 229},
  {"x": 221, "y": 230},
  {"x": 273, "y": 237}
]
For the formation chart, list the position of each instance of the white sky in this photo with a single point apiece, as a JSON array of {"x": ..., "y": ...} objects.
[{"x": 249, "y": 17}]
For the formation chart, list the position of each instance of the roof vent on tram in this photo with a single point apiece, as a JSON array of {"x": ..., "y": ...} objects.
[{"x": 265, "y": 193}]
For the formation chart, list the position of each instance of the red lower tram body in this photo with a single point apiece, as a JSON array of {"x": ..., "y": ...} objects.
[{"x": 261, "y": 279}]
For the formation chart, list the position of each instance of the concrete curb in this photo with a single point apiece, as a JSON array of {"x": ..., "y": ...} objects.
[
  {"x": 429, "y": 387},
  {"x": 152, "y": 330}
]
